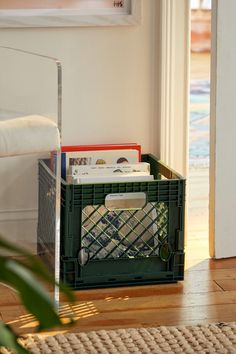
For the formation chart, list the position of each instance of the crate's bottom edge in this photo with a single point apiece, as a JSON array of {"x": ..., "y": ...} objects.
[{"x": 124, "y": 284}]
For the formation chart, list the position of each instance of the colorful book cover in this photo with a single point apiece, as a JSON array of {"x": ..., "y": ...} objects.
[{"x": 100, "y": 157}]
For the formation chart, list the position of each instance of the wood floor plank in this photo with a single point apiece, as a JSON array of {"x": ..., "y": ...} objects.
[
  {"x": 214, "y": 274},
  {"x": 141, "y": 317},
  {"x": 13, "y": 313},
  {"x": 151, "y": 318},
  {"x": 227, "y": 284},
  {"x": 199, "y": 264},
  {"x": 183, "y": 287},
  {"x": 7, "y": 295},
  {"x": 127, "y": 304}
]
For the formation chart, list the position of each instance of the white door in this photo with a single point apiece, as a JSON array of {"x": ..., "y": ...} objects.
[{"x": 223, "y": 131}]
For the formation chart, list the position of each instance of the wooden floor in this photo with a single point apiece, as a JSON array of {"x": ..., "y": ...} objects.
[{"x": 208, "y": 293}]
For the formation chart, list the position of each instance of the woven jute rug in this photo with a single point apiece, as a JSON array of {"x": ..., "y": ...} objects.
[{"x": 213, "y": 338}]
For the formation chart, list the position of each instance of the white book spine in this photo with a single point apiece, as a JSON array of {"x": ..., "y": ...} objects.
[
  {"x": 137, "y": 177},
  {"x": 106, "y": 169}
]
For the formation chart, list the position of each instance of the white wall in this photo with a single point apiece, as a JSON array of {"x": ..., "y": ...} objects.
[
  {"x": 223, "y": 132},
  {"x": 110, "y": 81}
]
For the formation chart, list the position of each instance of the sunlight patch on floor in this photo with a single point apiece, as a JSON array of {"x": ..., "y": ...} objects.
[{"x": 78, "y": 311}]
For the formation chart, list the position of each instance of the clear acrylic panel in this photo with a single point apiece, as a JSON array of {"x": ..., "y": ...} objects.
[{"x": 30, "y": 85}]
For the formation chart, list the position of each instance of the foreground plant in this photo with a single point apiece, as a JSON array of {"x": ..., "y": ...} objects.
[{"x": 23, "y": 275}]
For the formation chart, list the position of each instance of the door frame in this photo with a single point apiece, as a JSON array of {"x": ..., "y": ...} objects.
[{"x": 174, "y": 83}]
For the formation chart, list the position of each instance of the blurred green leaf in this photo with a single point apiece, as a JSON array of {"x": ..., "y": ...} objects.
[
  {"x": 33, "y": 296},
  {"x": 23, "y": 274},
  {"x": 33, "y": 264},
  {"x": 8, "y": 339}
]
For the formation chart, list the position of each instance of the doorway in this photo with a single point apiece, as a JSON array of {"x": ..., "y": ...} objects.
[{"x": 199, "y": 135}]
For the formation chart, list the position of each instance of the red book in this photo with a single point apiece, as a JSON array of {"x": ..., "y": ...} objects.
[{"x": 96, "y": 147}]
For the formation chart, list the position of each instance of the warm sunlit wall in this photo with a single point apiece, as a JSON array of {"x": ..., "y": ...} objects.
[{"x": 109, "y": 78}]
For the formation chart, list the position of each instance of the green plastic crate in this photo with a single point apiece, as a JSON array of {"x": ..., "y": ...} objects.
[{"x": 121, "y": 247}]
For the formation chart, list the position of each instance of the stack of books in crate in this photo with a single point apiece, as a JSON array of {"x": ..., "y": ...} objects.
[{"x": 113, "y": 163}]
